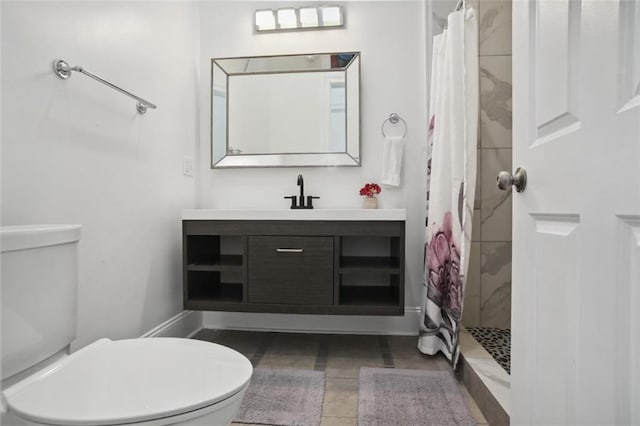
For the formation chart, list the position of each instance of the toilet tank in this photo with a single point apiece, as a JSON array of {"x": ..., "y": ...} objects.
[{"x": 39, "y": 293}]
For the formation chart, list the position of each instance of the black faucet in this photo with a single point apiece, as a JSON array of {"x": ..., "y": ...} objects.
[
  {"x": 301, "y": 185},
  {"x": 301, "y": 203}
]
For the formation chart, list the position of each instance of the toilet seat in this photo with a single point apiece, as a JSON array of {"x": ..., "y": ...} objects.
[{"x": 130, "y": 381}]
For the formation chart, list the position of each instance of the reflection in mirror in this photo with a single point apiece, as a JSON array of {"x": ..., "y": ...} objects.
[{"x": 292, "y": 110}]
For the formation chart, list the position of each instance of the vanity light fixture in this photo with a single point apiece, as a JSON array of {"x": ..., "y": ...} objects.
[{"x": 314, "y": 17}]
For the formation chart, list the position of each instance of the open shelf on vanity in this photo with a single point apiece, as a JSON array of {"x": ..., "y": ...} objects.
[
  {"x": 213, "y": 269},
  {"x": 214, "y": 253},
  {"x": 369, "y": 263},
  {"x": 223, "y": 263},
  {"x": 368, "y": 295},
  {"x": 208, "y": 286},
  {"x": 370, "y": 269}
]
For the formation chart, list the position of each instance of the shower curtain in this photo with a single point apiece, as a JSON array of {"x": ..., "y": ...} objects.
[{"x": 451, "y": 167}]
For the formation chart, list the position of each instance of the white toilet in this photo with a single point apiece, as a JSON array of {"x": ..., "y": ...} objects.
[{"x": 153, "y": 381}]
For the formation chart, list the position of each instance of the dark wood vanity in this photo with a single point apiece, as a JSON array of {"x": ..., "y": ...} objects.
[{"x": 345, "y": 267}]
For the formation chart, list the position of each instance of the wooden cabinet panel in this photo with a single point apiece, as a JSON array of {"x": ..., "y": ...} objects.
[
  {"x": 290, "y": 270},
  {"x": 322, "y": 267}
]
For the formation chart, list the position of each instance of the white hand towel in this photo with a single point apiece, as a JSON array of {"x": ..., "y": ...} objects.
[{"x": 392, "y": 160}]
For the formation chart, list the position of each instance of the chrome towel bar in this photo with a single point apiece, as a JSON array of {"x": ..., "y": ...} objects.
[{"x": 63, "y": 70}]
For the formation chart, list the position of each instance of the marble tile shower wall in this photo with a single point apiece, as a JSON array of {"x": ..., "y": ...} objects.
[{"x": 488, "y": 294}]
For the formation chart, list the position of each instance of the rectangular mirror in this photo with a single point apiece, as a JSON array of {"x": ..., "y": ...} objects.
[{"x": 286, "y": 111}]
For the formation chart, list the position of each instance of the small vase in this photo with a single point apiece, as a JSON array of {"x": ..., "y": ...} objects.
[{"x": 370, "y": 203}]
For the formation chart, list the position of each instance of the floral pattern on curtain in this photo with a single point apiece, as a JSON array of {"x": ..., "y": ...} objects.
[{"x": 451, "y": 174}]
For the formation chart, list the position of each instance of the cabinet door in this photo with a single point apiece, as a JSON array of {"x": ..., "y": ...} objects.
[{"x": 290, "y": 270}]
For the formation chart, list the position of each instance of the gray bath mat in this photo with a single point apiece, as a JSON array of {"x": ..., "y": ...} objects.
[
  {"x": 284, "y": 397},
  {"x": 390, "y": 396}
]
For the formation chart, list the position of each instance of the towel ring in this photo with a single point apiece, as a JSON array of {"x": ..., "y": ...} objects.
[{"x": 394, "y": 119}]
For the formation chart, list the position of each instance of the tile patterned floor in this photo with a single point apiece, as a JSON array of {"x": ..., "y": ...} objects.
[{"x": 340, "y": 356}]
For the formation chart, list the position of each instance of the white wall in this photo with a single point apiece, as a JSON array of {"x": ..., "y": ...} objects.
[
  {"x": 76, "y": 151},
  {"x": 391, "y": 38}
]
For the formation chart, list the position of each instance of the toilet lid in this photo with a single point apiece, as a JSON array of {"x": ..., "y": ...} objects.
[{"x": 125, "y": 381}]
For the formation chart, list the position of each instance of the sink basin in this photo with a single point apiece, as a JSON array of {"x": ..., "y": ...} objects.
[{"x": 282, "y": 214}]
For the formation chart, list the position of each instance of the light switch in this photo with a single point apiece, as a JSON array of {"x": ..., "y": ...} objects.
[{"x": 187, "y": 166}]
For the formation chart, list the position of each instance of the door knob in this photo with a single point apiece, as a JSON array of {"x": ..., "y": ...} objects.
[{"x": 518, "y": 179}]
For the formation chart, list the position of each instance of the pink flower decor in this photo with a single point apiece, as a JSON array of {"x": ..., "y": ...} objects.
[{"x": 370, "y": 190}]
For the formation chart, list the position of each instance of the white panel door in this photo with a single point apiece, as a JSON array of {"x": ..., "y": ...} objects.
[{"x": 576, "y": 245}]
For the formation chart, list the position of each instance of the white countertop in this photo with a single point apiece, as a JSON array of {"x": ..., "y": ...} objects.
[{"x": 288, "y": 214}]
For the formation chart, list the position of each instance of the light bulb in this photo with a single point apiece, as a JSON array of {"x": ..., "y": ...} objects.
[
  {"x": 287, "y": 18},
  {"x": 265, "y": 20},
  {"x": 331, "y": 16},
  {"x": 308, "y": 17}
]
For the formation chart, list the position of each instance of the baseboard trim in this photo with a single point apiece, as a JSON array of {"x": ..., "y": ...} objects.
[
  {"x": 407, "y": 325},
  {"x": 184, "y": 324}
]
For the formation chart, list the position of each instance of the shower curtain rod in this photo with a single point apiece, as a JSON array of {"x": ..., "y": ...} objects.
[{"x": 63, "y": 70}]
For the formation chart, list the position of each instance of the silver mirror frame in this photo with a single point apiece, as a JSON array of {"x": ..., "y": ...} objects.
[{"x": 349, "y": 158}]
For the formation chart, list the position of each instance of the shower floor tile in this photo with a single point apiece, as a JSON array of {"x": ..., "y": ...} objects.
[{"x": 497, "y": 342}]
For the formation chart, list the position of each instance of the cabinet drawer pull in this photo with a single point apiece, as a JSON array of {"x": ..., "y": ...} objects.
[{"x": 289, "y": 250}]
